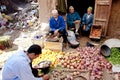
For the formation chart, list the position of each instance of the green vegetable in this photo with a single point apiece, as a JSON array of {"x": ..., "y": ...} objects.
[{"x": 115, "y": 56}]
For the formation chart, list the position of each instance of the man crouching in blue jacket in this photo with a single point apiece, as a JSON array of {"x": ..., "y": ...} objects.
[{"x": 57, "y": 25}]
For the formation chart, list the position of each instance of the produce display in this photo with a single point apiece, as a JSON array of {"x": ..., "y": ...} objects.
[
  {"x": 48, "y": 55},
  {"x": 92, "y": 60},
  {"x": 84, "y": 59},
  {"x": 87, "y": 59},
  {"x": 115, "y": 56},
  {"x": 96, "y": 33},
  {"x": 70, "y": 61}
]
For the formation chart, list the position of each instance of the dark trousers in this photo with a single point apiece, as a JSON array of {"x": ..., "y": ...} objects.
[
  {"x": 62, "y": 33},
  {"x": 85, "y": 33},
  {"x": 34, "y": 71}
]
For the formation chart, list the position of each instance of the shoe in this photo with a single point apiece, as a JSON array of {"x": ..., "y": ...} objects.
[
  {"x": 89, "y": 44},
  {"x": 72, "y": 29},
  {"x": 76, "y": 33},
  {"x": 66, "y": 46}
]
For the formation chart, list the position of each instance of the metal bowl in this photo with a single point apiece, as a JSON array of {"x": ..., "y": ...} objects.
[
  {"x": 74, "y": 45},
  {"x": 45, "y": 68},
  {"x": 105, "y": 50}
]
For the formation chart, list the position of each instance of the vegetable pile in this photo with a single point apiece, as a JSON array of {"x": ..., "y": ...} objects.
[
  {"x": 115, "y": 56},
  {"x": 70, "y": 61},
  {"x": 48, "y": 55},
  {"x": 88, "y": 59},
  {"x": 96, "y": 33},
  {"x": 92, "y": 60}
]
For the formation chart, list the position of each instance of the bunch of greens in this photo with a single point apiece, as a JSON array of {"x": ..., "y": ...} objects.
[{"x": 115, "y": 56}]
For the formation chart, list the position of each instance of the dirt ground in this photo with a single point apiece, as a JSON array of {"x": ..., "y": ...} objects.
[
  {"x": 22, "y": 38},
  {"x": 19, "y": 38}
]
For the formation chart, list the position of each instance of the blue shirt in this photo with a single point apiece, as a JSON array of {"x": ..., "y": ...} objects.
[
  {"x": 71, "y": 17},
  {"x": 57, "y": 24},
  {"x": 17, "y": 68},
  {"x": 87, "y": 20}
]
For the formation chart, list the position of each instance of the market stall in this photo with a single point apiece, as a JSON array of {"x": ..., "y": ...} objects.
[{"x": 86, "y": 63}]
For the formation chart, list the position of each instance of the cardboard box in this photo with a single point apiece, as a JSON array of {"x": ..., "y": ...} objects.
[{"x": 57, "y": 46}]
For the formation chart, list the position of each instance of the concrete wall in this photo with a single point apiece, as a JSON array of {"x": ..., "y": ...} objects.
[{"x": 45, "y": 8}]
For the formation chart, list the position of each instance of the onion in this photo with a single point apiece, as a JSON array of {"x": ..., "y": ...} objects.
[
  {"x": 99, "y": 68},
  {"x": 92, "y": 77},
  {"x": 100, "y": 73},
  {"x": 96, "y": 70},
  {"x": 90, "y": 59},
  {"x": 65, "y": 64},
  {"x": 98, "y": 77},
  {"x": 83, "y": 62},
  {"x": 82, "y": 67}
]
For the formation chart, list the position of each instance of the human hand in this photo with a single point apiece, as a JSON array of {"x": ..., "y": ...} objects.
[
  {"x": 84, "y": 27},
  {"x": 46, "y": 77},
  {"x": 77, "y": 21},
  {"x": 56, "y": 32},
  {"x": 35, "y": 66}
]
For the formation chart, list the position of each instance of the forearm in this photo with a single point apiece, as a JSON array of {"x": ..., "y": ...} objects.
[
  {"x": 52, "y": 29},
  {"x": 62, "y": 28},
  {"x": 39, "y": 78},
  {"x": 89, "y": 25}
]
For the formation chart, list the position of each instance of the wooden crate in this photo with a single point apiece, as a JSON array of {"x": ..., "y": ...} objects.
[
  {"x": 96, "y": 31},
  {"x": 57, "y": 46}
]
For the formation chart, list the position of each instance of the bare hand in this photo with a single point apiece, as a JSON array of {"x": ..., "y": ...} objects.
[
  {"x": 56, "y": 32},
  {"x": 46, "y": 77},
  {"x": 84, "y": 27},
  {"x": 77, "y": 21},
  {"x": 36, "y": 67}
]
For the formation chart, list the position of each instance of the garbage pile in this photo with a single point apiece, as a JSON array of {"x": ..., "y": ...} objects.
[
  {"x": 22, "y": 19},
  {"x": 4, "y": 19}
]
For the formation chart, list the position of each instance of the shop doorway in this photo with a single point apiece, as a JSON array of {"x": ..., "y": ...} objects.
[{"x": 81, "y": 5}]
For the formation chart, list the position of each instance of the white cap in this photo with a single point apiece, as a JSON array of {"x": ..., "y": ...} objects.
[
  {"x": 71, "y": 7},
  {"x": 54, "y": 11}
]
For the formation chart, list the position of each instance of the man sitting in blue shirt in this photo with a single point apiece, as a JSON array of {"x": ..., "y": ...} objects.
[
  {"x": 57, "y": 25},
  {"x": 73, "y": 20},
  {"x": 17, "y": 67},
  {"x": 87, "y": 22}
]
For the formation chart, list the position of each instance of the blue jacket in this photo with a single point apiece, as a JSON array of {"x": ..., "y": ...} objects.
[
  {"x": 59, "y": 24},
  {"x": 87, "y": 21},
  {"x": 72, "y": 17}
]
